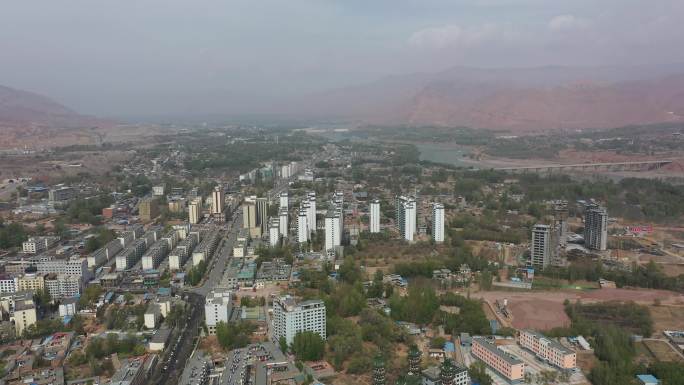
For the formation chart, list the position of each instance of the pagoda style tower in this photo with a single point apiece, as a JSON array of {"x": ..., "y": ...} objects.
[
  {"x": 379, "y": 371},
  {"x": 447, "y": 372},
  {"x": 414, "y": 360}
]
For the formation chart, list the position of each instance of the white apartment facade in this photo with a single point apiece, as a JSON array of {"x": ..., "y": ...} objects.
[
  {"x": 290, "y": 318},
  {"x": 438, "y": 222},
  {"x": 217, "y": 308},
  {"x": 284, "y": 200},
  {"x": 374, "y": 220},
  {"x": 333, "y": 230},
  {"x": 406, "y": 217},
  {"x": 302, "y": 227},
  {"x": 283, "y": 222}
]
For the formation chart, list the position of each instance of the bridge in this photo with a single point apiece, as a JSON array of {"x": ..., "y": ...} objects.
[{"x": 645, "y": 165}]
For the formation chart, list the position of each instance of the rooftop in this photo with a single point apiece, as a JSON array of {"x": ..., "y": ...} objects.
[{"x": 492, "y": 348}]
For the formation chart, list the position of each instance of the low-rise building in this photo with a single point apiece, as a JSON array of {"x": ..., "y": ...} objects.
[
  {"x": 159, "y": 339},
  {"x": 548, "y": 349},
  {"x": 35, "y": 245},
  {"x": 152, "y": 316},
  {"x": 62, "y": 286},
  {"x": 68, "y": 307},
  {"x": 155, "y": 255},
  {"x": 511, "y": 368},
  {"x": 218, "y": 307},
  {"x": 30, "y": 282},
  {"x": 75, "y": 266},
  {"x": 131, "y": 372},
  {"x": 23, "y": 316}
]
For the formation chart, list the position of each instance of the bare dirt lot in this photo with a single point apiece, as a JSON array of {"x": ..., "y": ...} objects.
[
  {"x": 536, "y": 310},
  {"x": 544, "y": 310}
]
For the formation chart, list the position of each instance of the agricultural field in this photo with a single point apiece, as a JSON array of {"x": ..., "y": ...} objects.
[{"x": 662, "y": 351}]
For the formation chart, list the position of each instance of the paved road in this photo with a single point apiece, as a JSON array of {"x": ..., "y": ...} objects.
[
  {"x": 172, "y": 362},
  {"x": 219, "y": 261}
]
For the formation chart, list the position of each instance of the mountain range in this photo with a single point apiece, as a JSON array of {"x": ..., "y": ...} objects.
[{"x": 517, "y": 100}]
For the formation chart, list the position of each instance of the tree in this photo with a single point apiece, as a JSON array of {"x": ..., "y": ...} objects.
[
  {"x": 437, "y": 342},
  {"x": 485, "y": 280},
  {"x": 420, "y": 305},
  {"x": 478, "y": 373},
  {"x": 234, "y": 335},
  {"x": 283, "y": 344},
  {"x": 349, "y": 272},
  {"x": 308, "y": 346},
  {"x": 12, "y": 235},
  {"x": 90, "y": 295}
]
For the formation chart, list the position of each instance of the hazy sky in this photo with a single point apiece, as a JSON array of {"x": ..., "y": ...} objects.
[{"x": 145, "y": 57}]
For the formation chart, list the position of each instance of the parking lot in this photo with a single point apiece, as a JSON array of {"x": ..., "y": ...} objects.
[{"x": 235, "y": 370}]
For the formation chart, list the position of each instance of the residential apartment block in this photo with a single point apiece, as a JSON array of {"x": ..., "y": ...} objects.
[
  {"x": 290, "y": 318},
  {"x": 511, "y": 368},
  {"x": 547, "y": 349}
]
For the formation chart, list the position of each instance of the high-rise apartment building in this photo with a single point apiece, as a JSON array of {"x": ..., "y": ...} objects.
[
  {"x": 284, "y": 200},
  {"x": 438, "y": 222},
  {"x": 541, "y": 247},
  {"x": 560, "y": 211},
  {"x": 595, "y": 227},
  {"x": 262, "y": 213},
  {"x": 274, "y": 232},
  {"x": 311, "y": 211},
  {"x": 217, "y": 200},
  {"x": 194, "y": 212},
  {"x": 333, "y": 229},
  {"x": 302, "y": 227},
  {"x": 283, "y": 222},
  {"x": 374, "y": 220},
  {"x": 406, "y": 216},
  {"x": 290, "y": 318},
  {"x": 250, "y": 218}
]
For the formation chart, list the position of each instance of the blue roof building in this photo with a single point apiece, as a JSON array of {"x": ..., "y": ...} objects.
[{"x": 647, "y": 379}]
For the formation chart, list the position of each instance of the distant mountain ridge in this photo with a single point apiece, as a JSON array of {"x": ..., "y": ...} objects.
[
  {"x": 19, "y": 107},
  {"x": 519, "y": 100}
]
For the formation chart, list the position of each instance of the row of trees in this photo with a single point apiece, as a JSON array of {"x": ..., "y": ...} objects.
[{"x": 648, "y": 276}]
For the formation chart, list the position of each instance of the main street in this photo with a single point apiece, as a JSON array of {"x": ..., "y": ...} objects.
[{"x": 177, "y": 356}]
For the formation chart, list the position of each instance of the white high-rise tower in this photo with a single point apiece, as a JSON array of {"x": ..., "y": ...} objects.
[
  {"x": 406, "y": 217},
  {"x": 311, "y": 211},
  {"x": 284, "y": 200},
  {"x": 374, "y": 222},
  {"x": 438, "y": 222}
]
